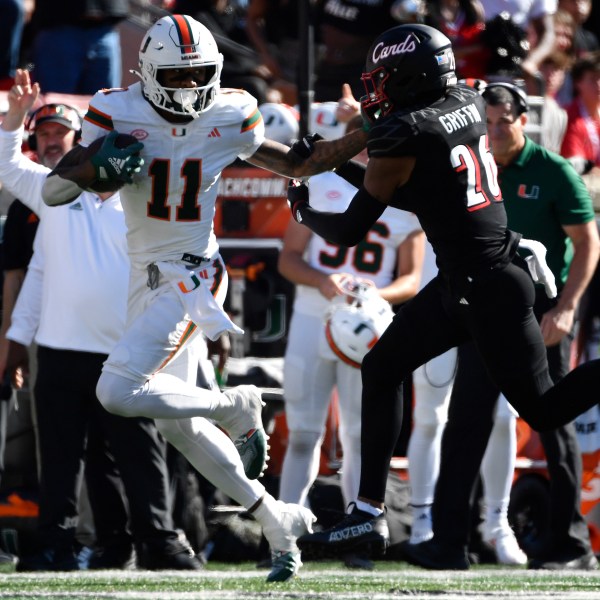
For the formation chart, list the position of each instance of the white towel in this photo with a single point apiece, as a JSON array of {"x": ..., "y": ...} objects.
[
  {"x": 538, "y": 267},
  {"x": 202, "y": 307}
]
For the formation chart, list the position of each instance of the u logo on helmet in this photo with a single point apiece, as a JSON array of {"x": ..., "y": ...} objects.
[{"x": 353, "y": 329}]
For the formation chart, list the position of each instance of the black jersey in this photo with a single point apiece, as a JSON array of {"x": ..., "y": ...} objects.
[{"x": 453, "y": 188}]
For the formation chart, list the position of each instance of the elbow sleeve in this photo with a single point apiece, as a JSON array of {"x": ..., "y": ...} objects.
[
  {"x": 347, "y": 228},
  {"x": 57, "y": 191}
]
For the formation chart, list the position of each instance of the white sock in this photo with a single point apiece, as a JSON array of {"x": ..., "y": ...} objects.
[{"x": 365, "y": 507}]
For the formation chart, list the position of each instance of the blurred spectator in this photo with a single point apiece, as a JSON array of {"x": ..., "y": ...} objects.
[
  {"x": 346, "y": 30},
  {"x": 463, "y": 22},
  {"x": 564, "y": 26},
  {"x": 564, "y": 32},
  {"x": 76, "y": 45},
  {"x": 75, "y": 325},
  {"x": 532, "y": 17},
  {"x": 17, "y": 247},
  {"x": 242, "y": 66},
  {"x": 554, "y": 118},
  {"x": 584, "y": 40},
  {"x": 11, "y": 30},
  {"x": 272, "y": 28},
  {"x": 593, "y": 22},
  {"x": 507, "y": 46},
  {"x": 581, "y": 144}
]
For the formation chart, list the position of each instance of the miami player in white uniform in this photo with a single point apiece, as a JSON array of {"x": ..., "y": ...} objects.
[
  {"x": 190, "y": 130},
  {"x": 390, "y": 260}
]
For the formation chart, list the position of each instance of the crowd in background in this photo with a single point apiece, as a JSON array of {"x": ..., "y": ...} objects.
[{"x": 550, "y": 49}]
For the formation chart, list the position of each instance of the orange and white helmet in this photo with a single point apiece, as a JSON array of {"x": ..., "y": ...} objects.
[
  {"x": 179, "y": 42},
  {"x": 353, "y": 328},
  {"x": 323, "y": 120},
  {"x": 282, "y": 122}
]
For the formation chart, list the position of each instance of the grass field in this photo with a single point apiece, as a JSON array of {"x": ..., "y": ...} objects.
[{"x": 329, "y": 580}]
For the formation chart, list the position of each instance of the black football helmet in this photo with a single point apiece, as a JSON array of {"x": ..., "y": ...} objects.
[{"x": 405, "y": 65}]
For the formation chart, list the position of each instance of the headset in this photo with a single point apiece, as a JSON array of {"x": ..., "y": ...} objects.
[
  {"x": 51, "y": 110},
  {"x": 516, "y": 92}
]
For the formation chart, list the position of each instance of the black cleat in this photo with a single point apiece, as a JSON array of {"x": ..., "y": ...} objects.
[
  {"x": 113, "y": 557},
  {"x": 358, "y": 532},
  {"x": 434, "y": 555},
  {"x": 583, "y": 562},
  {"x": 175, "y": 554},
  {"x": 49, "y": 559}
]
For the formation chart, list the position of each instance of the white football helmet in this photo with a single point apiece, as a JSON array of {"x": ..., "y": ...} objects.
[
  {"x": 323, "y": 120},
  {"x": 281, "y": 122},
  {"x": 353, "y": 328},
  {"x": 175, "y": 42}
]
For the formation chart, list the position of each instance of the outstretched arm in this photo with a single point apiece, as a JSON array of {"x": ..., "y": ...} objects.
[
  {"x": 382, "y": 178},
  {"x": 347, "y": 228},
  {"x": 69, "y": 179},
  {"x": 326, "y": 155}
]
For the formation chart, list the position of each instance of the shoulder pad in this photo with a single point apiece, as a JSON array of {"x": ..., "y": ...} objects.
[{"x": 389, "y": 135}]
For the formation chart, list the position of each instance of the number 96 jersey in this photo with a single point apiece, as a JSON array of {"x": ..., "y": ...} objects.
[
  {"x": 170, "y": 206},
  {"x": 453, "y": 188}
]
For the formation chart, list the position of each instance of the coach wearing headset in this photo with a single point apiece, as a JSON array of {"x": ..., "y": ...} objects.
[
  {"x": 73, "y": 303},
  {"x": 546, "y": 201}
]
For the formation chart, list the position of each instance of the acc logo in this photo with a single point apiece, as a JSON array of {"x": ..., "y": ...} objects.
[
  {"x": 382, "y": 51},
  {"x": 139, "y": 134}
]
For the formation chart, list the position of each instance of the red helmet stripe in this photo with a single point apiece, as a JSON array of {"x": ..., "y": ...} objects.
[{"x": 184, "y": 32}]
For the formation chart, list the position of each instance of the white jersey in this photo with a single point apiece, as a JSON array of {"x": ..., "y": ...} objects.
[
  {"x": 373, "y": 258},
  {"x": 85, "y": 268},
  {"x": 170, "y": 206}
]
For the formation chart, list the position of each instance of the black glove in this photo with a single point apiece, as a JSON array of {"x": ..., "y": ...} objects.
[
  {"x": 306, "y": 146},
  {"x": 297, "y": 198}
]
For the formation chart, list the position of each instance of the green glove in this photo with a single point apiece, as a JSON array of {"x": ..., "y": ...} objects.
[{"x": 117, "y": 164}]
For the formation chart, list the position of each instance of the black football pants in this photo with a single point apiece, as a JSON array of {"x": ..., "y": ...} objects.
[
  {"x": 74, "y": 428},
  {"x": 470, "y": 421},
  {"x": 495, "y": 310}
]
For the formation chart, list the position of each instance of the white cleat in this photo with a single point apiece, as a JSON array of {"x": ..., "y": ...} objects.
[
  {"x": 294, "y": 521},
  {"x": 245, "y": 427},
  {"x": 505, "y": 545}
]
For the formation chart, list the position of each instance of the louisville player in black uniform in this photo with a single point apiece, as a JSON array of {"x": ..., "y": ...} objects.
[{"x": 429, "y": 154}]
